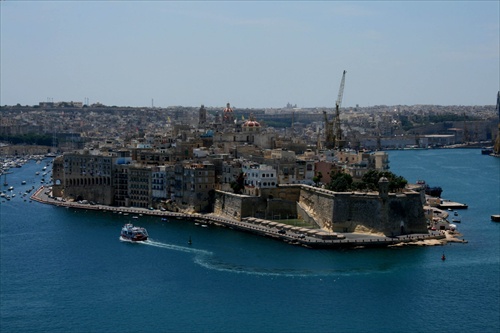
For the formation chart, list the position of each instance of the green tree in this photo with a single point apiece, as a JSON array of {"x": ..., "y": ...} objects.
[
  {"x": 340, "y": 182},
  {"x": 317, "y": 178}
]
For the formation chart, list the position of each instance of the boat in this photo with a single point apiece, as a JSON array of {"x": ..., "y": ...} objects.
[
  {"x": 23, "y": 182},
  {"x": 495, "y": 218},
  {"x": 456, "y": 220},
  {"x": 433, "y": 191},
  {"x": 133, "y": 233},
  {"x": 487, "y": 151}
]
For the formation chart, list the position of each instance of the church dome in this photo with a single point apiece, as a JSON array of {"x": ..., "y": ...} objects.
[{"x": 251, "y": 123}]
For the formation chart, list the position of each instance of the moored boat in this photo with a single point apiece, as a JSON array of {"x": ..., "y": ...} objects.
[{"x": 133, "y": 233}]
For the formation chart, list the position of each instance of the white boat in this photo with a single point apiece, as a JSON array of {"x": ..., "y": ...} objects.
[{"x": 135, "y": 234}]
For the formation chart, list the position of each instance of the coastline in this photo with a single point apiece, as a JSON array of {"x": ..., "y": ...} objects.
[{"x": 309, "y": 238}]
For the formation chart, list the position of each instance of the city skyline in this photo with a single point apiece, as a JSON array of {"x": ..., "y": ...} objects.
[{"x": 251, "y": 54}]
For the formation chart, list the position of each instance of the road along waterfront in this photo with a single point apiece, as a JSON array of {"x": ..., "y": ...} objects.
[{"x": 312, "y": 238}]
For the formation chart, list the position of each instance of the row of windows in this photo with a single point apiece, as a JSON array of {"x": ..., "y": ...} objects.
[
  {"x": 138, "y": 180},
  {"x": 264, "y": 175},
  {"x": 139, "y": 193},
  {"x": 88, "y": 181},
  {"x": 139, "y": 186},
  {"x": 255, "y": 183}
]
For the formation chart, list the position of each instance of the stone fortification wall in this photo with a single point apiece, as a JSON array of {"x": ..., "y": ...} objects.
[
  {"x": 377, "y": 213},
  {"x": 235, "y": 206},
  {"x": 393, "y": 214},
  {"x": 273, "y": 203}
]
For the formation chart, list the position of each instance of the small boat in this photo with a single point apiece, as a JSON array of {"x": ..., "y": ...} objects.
[
  {"x": 134, "y": 234},
  {"x": 443, "y": 258},
  {"x": 23, "y": 182},
  {"x": 487, "y": 151},
  {"x": 455, "y": 220},
  {"x": 495, "y": 218}
]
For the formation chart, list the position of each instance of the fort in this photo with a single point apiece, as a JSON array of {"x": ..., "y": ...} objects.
[
  {"x": 230, "y": 203},
  {"x": 382, "y": 213}
]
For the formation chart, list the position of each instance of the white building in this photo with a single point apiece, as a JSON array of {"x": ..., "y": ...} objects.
[{"x": 259, "y": 175}]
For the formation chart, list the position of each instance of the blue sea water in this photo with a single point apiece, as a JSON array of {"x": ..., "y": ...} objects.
[{"x": 65, "y": 270}]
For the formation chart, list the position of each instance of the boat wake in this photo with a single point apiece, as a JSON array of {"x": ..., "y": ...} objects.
[
  {"x": 175, "y": 247},
  {"x": 210, "y": 261}
]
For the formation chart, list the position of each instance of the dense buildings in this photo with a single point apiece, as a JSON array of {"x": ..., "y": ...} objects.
[{"x": 177, "y": 157}]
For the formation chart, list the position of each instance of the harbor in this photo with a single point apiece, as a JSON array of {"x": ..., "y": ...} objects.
[{"x": 52, "y": 254}]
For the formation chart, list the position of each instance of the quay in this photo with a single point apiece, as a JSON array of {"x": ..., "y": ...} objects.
[
  {"x": 447, "y": 204},
  {"x": 310, "y": 238}
]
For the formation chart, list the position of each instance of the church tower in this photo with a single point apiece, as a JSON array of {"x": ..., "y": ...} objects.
[
  {"x": 228, "y": 117},
  {"x": 202, "y": 116}
]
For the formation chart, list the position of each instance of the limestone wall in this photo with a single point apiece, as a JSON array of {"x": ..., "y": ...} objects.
[
  {"x": 266, "y": 206},
  {"x": 388, "y": 214},
  {"x": 235, "y": 206},
  {"x": 362, "y": 212}
]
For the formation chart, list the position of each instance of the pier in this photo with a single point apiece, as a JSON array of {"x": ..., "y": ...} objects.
[
  {"x": 310, "y": 238},
  {"x": 447, "y": 204}
]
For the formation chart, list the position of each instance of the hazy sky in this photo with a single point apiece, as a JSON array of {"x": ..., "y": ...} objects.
[{"x": 251, "y": 54}]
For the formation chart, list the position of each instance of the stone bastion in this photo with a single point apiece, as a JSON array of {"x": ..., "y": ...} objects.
[{"x": 389, "y": 214}]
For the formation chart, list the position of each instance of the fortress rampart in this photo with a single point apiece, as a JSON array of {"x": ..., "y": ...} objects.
[{"x": 390, "y": 214}]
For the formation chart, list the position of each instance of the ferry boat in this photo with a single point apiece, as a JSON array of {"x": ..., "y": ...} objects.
[{"x": 134, "y": 234}]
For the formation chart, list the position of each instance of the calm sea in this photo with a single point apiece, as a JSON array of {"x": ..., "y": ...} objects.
[{"x": 65, "y": 270}]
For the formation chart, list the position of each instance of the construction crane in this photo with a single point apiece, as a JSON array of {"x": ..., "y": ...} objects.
[
  {"x": 339, "y": 142},
  {"x": 333, "y": 132}
]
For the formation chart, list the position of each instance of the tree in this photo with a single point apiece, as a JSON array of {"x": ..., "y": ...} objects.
[
  {"x": 239, "y": 184},
  {"x": 340, "y": 182},
  {"x": 317, "y": 179}
]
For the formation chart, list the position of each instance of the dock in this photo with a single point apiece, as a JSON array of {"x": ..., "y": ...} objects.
[{"x": 447, "y": 204}]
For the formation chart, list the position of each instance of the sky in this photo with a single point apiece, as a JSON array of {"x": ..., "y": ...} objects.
[{"x": 252, "y": 54}]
